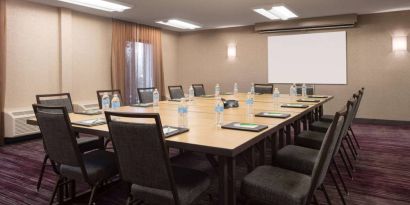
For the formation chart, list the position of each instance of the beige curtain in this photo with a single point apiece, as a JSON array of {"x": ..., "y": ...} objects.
[
  {"x": 123, "y": 32},
  {"x": 2, "y": 65}
]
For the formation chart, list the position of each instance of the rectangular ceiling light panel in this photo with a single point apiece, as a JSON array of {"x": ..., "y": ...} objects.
[{"x": 99, "y": 4}]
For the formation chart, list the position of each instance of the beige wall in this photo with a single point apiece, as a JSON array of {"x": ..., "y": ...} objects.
[
  {"x": 371, "y": 63},
  {"x": 170, "y": 57},
  {"x": 50, "y": 51}
]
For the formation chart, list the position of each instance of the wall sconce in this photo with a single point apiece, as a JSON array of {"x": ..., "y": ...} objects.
[
  {"x": 399, "y": 43},
  {"x": 231, "y": 51}
]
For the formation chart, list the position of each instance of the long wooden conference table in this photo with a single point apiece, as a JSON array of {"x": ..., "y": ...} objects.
[{"x": 225, "y": 144}]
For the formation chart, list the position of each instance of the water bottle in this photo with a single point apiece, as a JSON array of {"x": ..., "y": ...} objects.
[
  {"x": 253, "y": 89},
  {"x": 249, "y": 104},
  {"x": 105, "y": 102},
  {"x": 217, "y": 90},
  {"x": 304, "y": 90},
  {"x": 276, "y": 95},
  {"x": 191, "y": 93},
  {"x": 219, "y": 111},
  {"x": 292, "y": 90},
  {"x": 115, "y": 102},
  {"x": 182, "y": 113},
  {"x": 155, "y": 98},
  {"x": 235, "y": 89}
]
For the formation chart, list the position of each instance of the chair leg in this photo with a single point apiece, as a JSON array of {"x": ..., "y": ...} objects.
[
  {"x": 354, "y": 137},
  {"x": 340, "y": 176},
  {"x": 326, "y": 195},
  {"x": 55, "y": 190},
  {"x": 345, "y": 163},
  {"x": 40, "y": 178},
  {"x": 337, "y": 187},
  {"x": 349, "y": 137},
  {"x": 347, "y": 157},
  {"x": 93, "y": 189},
  {"x": 350, "y": 148},
  {"x": 315, "y": 199}
]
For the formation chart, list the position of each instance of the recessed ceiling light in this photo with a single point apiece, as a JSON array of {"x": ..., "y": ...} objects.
[
  {"x": 282, "y": 12},
  {"x": 276, "y": 12},
  {"x": 99, "y": 4},
  {"x": 266, "y": 13},
  {"x": 179, "y": 24}
]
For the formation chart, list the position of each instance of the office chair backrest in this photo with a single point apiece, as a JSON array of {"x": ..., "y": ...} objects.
[
  {"x": 141, "y": 150},
  {"x": 59, "y": 99},
  {"x": 326, "y": 151},
  {"x": 263, "y": 88},
  {"x": 146, "y": 95},
  {"x": 310, "y": 89},
  {"x": 100, "y": 94},
  {"x": 58, "y": 138},
  {"x": 346, "y": 124},
  {"x": 199, "y": 89},
  {"x": 176, "y": 92}
]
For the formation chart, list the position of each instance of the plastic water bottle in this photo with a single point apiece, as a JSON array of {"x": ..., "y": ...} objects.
[
  {"x": 249, "y": 104},
  {"x": 217, "y": 90},
  {"x": 115, "y": 102},
  {"x": 155, "y": 98},
  {"x": 191, "y": 93},
  {"x": 235, "y": 89},
  {"x": 276, "y": 95},
  {"x": 304, "y": 90},
  {"x": 183, "y": 113},
  {"x": 292, "y": 90},
  {"x": 219, "y": 111},
  {"x": 105, "y": 102},
  {"x": 253, "y": 89}
]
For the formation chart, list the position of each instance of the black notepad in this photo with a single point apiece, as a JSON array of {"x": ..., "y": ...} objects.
[
  {"x": 142, "y": 105},
  {"x": 91, "y": 122},
  {"x": 175, "y": 100},
  {"x": 273, "y": 115},
  {"x": 207, "y": 96},
  {"x": 295, "y": 105},
  {"x": 172, "y": 131},
  {"x": 318, "y": 96},
  {"x": 308, "y": 100},
  {"x": 245, "y": 126},
  {"x": 227, "y": 93},
  {"x": 90, "y": 112}
]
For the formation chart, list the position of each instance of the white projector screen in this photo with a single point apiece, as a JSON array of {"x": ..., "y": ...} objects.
[{"x": 318, "y": 58}]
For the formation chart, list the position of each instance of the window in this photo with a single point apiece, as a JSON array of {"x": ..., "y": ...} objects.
[{"x": 138, "y": 69}]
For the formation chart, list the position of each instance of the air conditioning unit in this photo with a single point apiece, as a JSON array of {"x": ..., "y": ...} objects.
[
  {"x": 85, "y": 106},
  {"x": 308, "y": 24},
  {"x": 15, "y": 122}
]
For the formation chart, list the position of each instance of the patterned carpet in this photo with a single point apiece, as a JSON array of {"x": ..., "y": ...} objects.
[{"x": 382, "y": 172}]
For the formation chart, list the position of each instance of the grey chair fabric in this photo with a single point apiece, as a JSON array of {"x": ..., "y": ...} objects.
[
  {"x": 199, "y": 90},
  {"x": 310, "y": 139},
  {"x": 263, "y": 88},
  {"x": 89, "y": 143},
  {"x": 146, "y": 95},
  {"x": 273, "y": 185},
  {"x": 100, "y": 94},
  {"x": 296, "y": 158},
  {"x": 62, "y": 99},
  {"x": 144, "y": 163},
  {"x": 320, "y": 126},
  {"x": 98, "y": 164},
  {"x": 176, "y": 92},
  {"x": 276, "y": 186},
  {"x": 190, "y": 184}
]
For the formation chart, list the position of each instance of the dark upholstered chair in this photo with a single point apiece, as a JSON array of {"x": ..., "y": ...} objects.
[
  {"x": 275, "y": 185},
  {"x": 110, "y": 93},
  {"x": 199, "y": 89},
  {"x": 85, "y": 143},
  {"x": 146, "y": 95},
  {"x": 144, "y": 163},
  {"x": 310, "y": 89},
  {"x": 68, "y": 162},
  {"x": 263, "y": 88},
  {"x": 176, "y": 92}
]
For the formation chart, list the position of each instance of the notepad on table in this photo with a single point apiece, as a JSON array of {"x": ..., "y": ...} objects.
[
  {"x": 308, "y": 100},
  {"x": 171, "y": 131},
  {"x": 245, "y": 126},
  {"x": 318, "y": 96},
  {"x": 273, "y": 115},
  {"x": 295, "y": 105},
  {"x": 142, "y": 105},
  {"x": 90, "y": 112},
  {"x": 91, "y": 122}
]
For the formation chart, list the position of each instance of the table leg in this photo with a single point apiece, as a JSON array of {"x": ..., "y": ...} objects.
[
  {"x": 227, "y": 180},
  {"x": 274, "y": 146},
  {"x": 288, "y": 135},
  {"x": 304, "y": 122},
  {"x": 262, "y": 152},
  {"x": 281, "y": 140}
]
